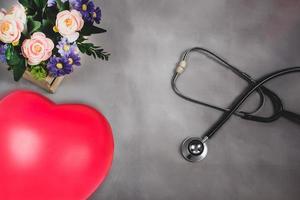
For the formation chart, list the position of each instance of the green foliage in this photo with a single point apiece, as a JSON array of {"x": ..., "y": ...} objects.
[
  {"x": 40, "y": 3},
  {"x": 34, "y": 8},
  {"x": 95, "y": 51},
  {"x": 50, "y": 13},
  {"x": 38, "y": 72},
  {"x": 81, "y": 39},
  {"x": 47, "y": 29},
  {"x": 11, "y": 54},
  {"x": 62, "y": 6},
  {"x": 15, "y": 62},
  {"x": 25, "y": 3},
  {"x": 32, "y": 25},
  {"x": 88, "y": 30},
  {"x": 19, "y": 69},
  {"x": 47, "y": 25}
]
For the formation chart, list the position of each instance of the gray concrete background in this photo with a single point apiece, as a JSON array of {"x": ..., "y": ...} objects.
[{"x": 246, "y": 160}]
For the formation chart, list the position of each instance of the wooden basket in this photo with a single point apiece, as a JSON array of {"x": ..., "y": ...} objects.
[{"x": 50, "y": 84}]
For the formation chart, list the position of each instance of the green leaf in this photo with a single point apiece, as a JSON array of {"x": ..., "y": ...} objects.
[
  {"x": 32, "y": 25},
  {"x": 81, "y": 39},
  {"x": 15, "y": 62},
  {"x": 88, "y": 30},
  {"x": 12, "y": 56},
  {"x": 8, "y": 52},
  {"x": 47, "y": 29},
  {"x": 66, "y": 5},
  {"x": 51, "y": 13},
  {"x": 91, "y": 50},
  {"x": 31, "y": 12},
  {"x": 59, "y": 4},
  {"x": 38, "y": 72},
  {"x": 19, "y": 69},
  {"x": 25, "y": 3},
  {"x": 62, "y": 6},
  {"x": 30, "y": 7},
  {"x": 47, "y": 26},
  {"x": 40, "y": 4}
]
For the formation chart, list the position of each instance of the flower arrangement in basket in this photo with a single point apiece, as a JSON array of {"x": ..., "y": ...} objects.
[{"x": 41, "y": 39}]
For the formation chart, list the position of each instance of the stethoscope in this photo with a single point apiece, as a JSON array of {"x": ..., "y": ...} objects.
[{"x": 194, "y": 148}]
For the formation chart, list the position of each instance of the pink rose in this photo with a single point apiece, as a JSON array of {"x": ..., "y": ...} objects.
[
  {"x": 10, "y": 28},
  {"x": 18, "y": 12},
  {"x": 68, "y": 23},
  {"x": 37, "y": 49}
]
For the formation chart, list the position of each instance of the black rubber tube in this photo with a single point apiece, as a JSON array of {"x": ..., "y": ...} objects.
[
  {"x": 242, "y": 98},
  {"x": 262, "y": 91}
]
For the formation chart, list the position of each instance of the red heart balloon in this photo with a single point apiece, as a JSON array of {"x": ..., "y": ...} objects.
[{"x": 49, "y": 151}]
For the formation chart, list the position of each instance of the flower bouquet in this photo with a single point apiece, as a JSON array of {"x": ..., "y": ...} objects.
[{"x": 40, "y": 40}]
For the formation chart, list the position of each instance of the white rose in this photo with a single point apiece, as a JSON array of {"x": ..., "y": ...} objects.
[
  {"x": 10, "y": 29},
  {"x": 18, "y": 12},
  {"x": 68, "y": 23}
]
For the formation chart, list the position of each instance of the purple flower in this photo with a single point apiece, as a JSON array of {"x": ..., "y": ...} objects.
[
  {"x": 97, "y": 15},
  {"x": 3, "y": 48},
  {"x": 59, "y": 66},
  {"x": 73, "y": 58},
  {"x": 51, "y": 3},
  {"x": 64, "y": 47},
  {"x": 86, "y": 8}
]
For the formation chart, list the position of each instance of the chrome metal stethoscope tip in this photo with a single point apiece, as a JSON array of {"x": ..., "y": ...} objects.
[{"x": 194, "y": 149}]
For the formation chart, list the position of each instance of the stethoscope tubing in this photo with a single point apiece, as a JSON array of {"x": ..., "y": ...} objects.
[
  {"x": 236, "y": 71},
  {"x": 262, "y": 91},
  {"x": 241, "y": 99}
]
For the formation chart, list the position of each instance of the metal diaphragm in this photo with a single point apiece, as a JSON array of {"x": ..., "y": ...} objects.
[{"x": 193, "y": 149}]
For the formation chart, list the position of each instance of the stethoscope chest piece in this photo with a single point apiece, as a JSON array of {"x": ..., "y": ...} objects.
[{"x": 193, "y": 149}]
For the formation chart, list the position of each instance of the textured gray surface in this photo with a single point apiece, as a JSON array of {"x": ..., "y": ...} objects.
[{"x": 246, "y": 160}]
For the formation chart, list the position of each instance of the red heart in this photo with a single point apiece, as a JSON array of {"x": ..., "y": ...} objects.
[{"x": 49, "y": 151}]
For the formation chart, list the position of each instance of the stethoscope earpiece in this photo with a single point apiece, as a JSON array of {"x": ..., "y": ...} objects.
[{"x": 194, "y": 149}]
